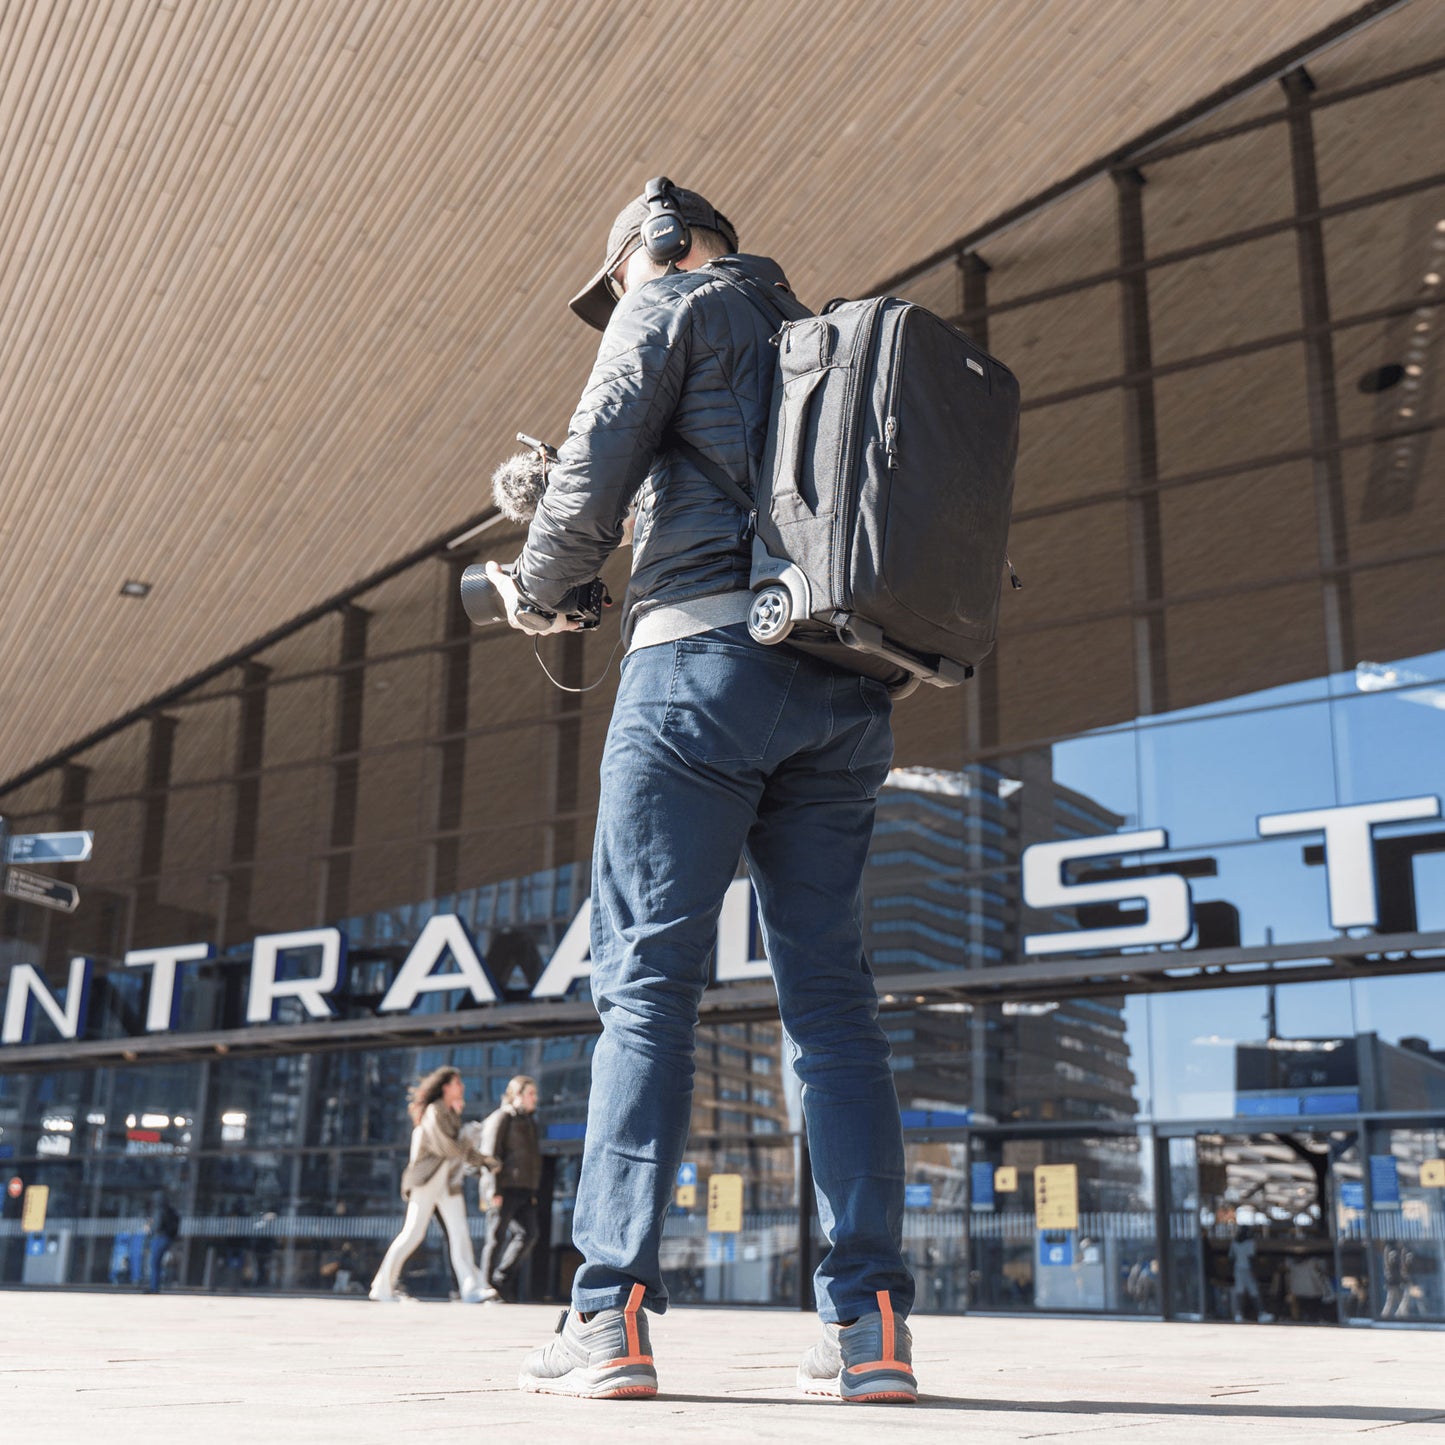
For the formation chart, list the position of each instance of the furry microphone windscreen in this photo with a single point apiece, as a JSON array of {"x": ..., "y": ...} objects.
[{"x": 517, "y": 486}]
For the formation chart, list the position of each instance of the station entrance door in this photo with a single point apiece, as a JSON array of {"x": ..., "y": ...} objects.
[{"x": 1262, "y": 1226}]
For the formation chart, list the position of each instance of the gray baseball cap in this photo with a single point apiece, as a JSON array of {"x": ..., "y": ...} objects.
[{"x": 594, "y": 302}]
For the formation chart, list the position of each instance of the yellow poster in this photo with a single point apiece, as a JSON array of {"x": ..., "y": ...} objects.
[
  {"x": 1005, "y": 1179},
  {"x": 1056, "y": 1196},
  {"x": 725, "y": 1203},
  {"x": 32, "y": 1216},
  {"x": 1432, "y": 1174},
  {"x": 686, "y": 1196}
]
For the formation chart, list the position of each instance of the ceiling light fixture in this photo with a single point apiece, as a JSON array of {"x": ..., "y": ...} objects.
[{"x": 132, "y": 588}]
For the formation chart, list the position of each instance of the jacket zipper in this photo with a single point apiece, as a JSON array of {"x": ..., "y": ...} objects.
[{"x": 843, "y": 535}]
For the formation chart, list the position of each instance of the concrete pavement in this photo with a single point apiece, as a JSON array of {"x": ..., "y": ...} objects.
[{"x": 124, "y": 1368}]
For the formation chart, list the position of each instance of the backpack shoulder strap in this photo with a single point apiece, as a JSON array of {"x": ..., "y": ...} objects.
[{"x": 715, "y": 475}]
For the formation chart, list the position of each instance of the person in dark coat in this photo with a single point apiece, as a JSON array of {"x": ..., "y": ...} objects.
[
  {"x": 720, "y": 748},
  {"x": 163, "y": 1225},
  {"x": 509, "y": 1194}
]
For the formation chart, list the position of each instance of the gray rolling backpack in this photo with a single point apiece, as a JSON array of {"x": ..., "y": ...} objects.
[{"x": 882, "y": 509}]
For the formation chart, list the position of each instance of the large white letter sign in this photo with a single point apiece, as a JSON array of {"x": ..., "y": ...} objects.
[
  {"x": 163, "y": 1008},
  {"x": 27, "y": 988},
  {"x": 1349, "y": 858},
  {"x": 572, "y": 960},
  {"x": 1169, "y": 910},
  {"x": 265, "y": 989},
  {"x": 444, "y": 933}
]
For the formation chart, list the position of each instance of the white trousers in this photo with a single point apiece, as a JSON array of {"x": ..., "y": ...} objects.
[{"x": 432, "y": 1197}]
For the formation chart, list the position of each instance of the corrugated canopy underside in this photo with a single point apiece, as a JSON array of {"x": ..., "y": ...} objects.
[{"x": 280, "y": 278}]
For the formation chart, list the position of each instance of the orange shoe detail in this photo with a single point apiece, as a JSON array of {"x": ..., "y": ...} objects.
[
  {"x": 629, "y": 1317},
  {"x": 885, "y": 1308}
]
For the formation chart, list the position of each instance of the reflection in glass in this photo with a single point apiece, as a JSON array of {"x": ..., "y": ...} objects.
[{"x": 1098, "y": 1255}]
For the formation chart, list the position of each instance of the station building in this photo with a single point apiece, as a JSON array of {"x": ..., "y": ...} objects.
[{"x": 1155, "y": 904}]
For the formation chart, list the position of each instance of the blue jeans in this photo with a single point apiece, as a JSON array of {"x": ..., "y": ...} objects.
[
  {"x": 721, "y": 748},
  {"x": 160, "y": 1247}
]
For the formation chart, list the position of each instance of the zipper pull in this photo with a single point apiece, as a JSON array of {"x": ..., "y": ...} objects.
[
  {"x": 890, "y": 442},
  {"x": 1013, "y": 576}
]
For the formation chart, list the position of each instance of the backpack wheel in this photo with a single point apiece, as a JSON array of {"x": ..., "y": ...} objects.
[{"x": 770, "y": 618}]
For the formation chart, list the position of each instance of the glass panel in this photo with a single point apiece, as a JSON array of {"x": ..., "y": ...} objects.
[
  {"x": 1097, "y": 1257},
  {"x": 1061, "y": 343},
  {"x": 1186, "y": 1258},
  {"x": 1064, "y": 680},
  {"x": 1379, "y": 256},
  {"x": 1391, "y": 744},
  {"x": 1241, "y": 644},
  {"x": 1267, "y": 408},
  {"x": 1220, "y": 188},
  {"x": 1069, "y": 449},
  {"x": 935, "y": 1219},
  {"x": 1245, "y": 529},
  {"x": 759, "y": 1263},
  {"x": 1223, "y": 299},
  {"x": 1208, "y": 781},
  {"x": 1280, "y": 1051},
  {"x": 1406, "y": 112},
  {"x": 1073, "y": 563},
  {"x": 1266, "y": 1218},
  {"x": 1397, "y": 612},
  {"x": 1401, "y": 1022},
  {"x": 1407, "y": 1223}
]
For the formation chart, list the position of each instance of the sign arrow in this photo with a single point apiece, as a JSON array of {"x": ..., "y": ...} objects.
[
  {"x": 37, "y": 888},
  {"x": 49, "y": 847}
]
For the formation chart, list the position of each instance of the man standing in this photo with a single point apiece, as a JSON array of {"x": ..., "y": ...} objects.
[
  {"x": 509, "y": 1194},
  {"x": 718, "y": 748},
  {"x": 163, "y": 1225}
]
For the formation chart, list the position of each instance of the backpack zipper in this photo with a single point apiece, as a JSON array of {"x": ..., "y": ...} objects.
[
  {"x": 890, "y": 407},
  {"x": 843, "y": 535}
]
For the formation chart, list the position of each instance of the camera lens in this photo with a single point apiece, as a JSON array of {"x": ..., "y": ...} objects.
[{"x": 481, "y": 601}]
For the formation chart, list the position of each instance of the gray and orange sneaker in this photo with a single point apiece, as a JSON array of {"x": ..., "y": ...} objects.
[
  {"x": 871, "y": 1359},
  {"x": 608, "y": 1357}
]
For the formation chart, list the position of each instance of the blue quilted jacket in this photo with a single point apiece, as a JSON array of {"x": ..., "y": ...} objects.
[{"x": 687, "y": 356}]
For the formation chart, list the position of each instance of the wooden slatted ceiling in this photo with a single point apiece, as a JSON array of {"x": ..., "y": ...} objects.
[{"x": 279, "y": 278}]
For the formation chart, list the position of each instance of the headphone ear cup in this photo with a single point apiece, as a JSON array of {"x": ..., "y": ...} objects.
[{"x": 665, "y": 235}]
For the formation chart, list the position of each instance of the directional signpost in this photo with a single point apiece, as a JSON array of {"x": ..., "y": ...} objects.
[
  {"x": 43, "y": 848},
  {"x": 37, "y": 888},
  {"x": 49, "y": 847}
]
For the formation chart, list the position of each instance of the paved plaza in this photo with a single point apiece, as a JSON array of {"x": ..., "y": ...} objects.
[{"x": 76, "y": 1367}]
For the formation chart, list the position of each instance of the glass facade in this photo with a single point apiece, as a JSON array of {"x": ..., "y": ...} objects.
[{"x": 1230, "y": 529}]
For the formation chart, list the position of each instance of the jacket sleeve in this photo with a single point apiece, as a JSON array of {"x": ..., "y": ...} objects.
[{"x": 612, "y": 442}]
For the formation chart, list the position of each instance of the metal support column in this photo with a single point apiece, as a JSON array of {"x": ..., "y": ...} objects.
[
  {"x": 1320, "y": 377},
  {"x": 235, "y": 924},
  {"x": 69, "y": 817},
  {"x": 346, "y": 768},
  {"x": 980, "y": 720},
  {"x": 451, "y": 773},
  {"x": 1141, "y": 452},
  {"x": 143, "y": 929},
  {"x": 980, "y": 697}
]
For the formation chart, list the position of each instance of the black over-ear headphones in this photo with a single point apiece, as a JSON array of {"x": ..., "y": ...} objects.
[{"x": 665, "y": 235}]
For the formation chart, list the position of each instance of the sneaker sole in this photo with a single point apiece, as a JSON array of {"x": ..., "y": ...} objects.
[
  {"x": 880, "y": 1389},
  {"x": 586, "y": 1385}
]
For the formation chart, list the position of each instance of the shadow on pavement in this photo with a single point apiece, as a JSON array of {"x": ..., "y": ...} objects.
[{"x": 1369, "y": 1414}]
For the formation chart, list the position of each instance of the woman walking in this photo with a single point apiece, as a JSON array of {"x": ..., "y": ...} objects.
[{"x": 432, "y": 1182}]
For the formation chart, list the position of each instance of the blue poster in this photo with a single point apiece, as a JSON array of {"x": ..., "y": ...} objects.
[
  {"x": 1056, "y": 1249},
  {"x": 1352, "y": 1194},
  {"x": 918, "y": 1196},
  {"x": 980, "y": 1178},
  {"x": 1385, "y": 1181}
]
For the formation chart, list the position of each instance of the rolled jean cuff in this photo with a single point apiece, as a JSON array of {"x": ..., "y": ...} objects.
[{"x": 589, "y": 1301}]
